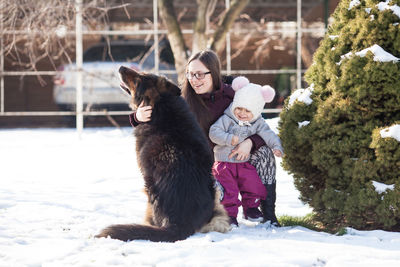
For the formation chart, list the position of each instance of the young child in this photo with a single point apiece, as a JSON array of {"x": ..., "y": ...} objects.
[{"x": 241, "y": 120}]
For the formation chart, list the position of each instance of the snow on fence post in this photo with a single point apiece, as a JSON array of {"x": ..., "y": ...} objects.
[{"x": 79, "y": 62}]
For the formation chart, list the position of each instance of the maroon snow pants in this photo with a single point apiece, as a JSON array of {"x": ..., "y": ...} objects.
[{"x": 239, "y": 178}]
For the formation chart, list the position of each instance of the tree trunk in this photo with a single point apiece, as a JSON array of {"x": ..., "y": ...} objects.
[
  {"x": 200, "y": 28},
  {"x": 175, "y": 36},
  {"x": 204, "y": 11}
]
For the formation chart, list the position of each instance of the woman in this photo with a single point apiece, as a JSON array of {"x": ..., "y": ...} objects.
[{"x": 208, "y": 97}]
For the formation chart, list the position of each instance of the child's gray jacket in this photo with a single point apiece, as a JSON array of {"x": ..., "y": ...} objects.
[{"x": 222, "y": 131}]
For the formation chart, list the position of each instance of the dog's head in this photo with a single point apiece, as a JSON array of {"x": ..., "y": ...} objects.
[{"x": 145, "y": 87}]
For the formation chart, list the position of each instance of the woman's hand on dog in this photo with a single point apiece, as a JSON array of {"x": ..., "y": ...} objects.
[
  {"x": 143, "y": 113},
  {"x": 242, "y": 150}
]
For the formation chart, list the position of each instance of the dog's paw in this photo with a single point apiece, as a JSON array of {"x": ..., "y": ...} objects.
[{"x": 217, "y": 224}]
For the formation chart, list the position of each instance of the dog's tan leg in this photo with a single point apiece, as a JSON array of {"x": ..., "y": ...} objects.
[
  {"x": 148, "y": 219},
  {"x": 148, "y": 216},
  {"x": 220, "y": 221}
]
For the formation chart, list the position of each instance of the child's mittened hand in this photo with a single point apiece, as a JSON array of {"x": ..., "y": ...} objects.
[
  {"x": 235, "y": 140},
  {"x": 277, "y": 152}
]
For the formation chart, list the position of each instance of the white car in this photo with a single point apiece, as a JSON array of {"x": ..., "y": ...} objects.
[{"x": 100, "y": 78}]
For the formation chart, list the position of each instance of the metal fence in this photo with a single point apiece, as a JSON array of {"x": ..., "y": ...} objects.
[{"x": 79, "y": 32}]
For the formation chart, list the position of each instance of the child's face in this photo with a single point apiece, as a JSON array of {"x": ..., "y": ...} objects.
[{"x": 243, "y": 114}]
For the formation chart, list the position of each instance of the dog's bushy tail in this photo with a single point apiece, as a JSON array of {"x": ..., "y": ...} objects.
[{"x": 126, "y": 232}]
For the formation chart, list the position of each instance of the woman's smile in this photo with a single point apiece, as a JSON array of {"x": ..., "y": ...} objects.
[{"x": 203, "y": 85}]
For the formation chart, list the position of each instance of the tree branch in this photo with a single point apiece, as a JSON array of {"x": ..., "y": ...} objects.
[
  {"x": 47, "y": 25},
  {"x": 218, "y": 40}
]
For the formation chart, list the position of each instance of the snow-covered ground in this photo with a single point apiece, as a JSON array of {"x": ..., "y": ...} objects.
[{"x": 57, "y": 192}]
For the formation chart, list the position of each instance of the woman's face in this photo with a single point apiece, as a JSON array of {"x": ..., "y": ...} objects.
[{"x": 199, "y": 77}]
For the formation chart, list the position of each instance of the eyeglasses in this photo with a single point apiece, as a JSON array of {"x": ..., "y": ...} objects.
[{"x": 198, "y": 75}]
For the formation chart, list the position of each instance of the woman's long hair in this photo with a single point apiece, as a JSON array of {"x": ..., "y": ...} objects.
[{"x": 195, "y": 102}]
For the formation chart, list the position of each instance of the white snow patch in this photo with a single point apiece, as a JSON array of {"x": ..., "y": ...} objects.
[
  {"x": 333, "y": 37},
  {"x": 380, "y": 54},
  {"x": 303, "y": 123},
  {"x": 393, "y": 132},
  {"x": 302, "y": 95},
  {"x": 385, "y": 5},
  {"x": 368, "y": 10},
  {"x": 354, "y": 3},
  {"x": 57, "y": 192},
  {"x": 381, "y": 187}
]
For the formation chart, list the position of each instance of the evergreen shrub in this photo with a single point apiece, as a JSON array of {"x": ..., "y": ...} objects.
[{"x": 333, "y": 133}]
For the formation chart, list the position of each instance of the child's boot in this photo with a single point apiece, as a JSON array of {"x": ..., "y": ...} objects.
[
  {"x": 233, "y": 221},
  {"x": 253, "y": 214}
]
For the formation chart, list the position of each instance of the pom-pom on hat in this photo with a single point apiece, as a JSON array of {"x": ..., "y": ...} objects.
[{"x": 251, "y": 96}]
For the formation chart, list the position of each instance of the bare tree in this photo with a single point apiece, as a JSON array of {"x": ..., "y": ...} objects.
[
  {"x": 201, "y": 28},
  {"x": 35, "y": 30}
]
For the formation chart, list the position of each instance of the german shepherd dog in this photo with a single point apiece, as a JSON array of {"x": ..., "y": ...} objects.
[{"x": 175, "y": 159}]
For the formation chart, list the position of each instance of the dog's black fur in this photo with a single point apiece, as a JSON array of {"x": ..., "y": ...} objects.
[{"x": 175, "y": 159}]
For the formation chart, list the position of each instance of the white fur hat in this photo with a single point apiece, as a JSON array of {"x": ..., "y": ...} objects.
[{"x": 251, "y": 96}]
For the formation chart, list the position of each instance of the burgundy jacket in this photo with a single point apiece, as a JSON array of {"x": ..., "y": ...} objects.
[{"x": 217, "y": 102}]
